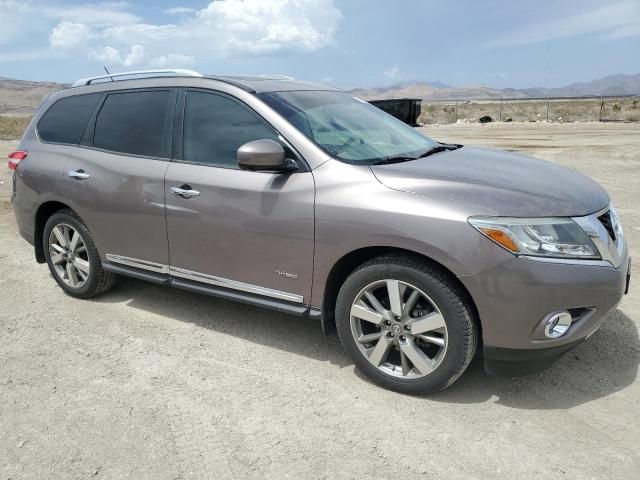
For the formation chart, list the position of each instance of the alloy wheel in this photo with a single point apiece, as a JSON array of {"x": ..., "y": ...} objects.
[
  {"x": 398, "y": 329},
  {"x": 69, "y": 255}
]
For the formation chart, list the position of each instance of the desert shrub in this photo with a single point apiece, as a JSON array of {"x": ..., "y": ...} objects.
[{"x": 12, "y": 128}]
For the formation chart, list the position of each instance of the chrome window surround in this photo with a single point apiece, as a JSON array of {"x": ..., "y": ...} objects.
[
  {"x": 204, "y": 278},
  {"x": 612, "y": 252}
]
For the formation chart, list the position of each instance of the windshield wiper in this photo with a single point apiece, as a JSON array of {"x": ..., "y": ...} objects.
[
  {"x": 394, "y": 159},
  {"x": 441, "y": 147}
]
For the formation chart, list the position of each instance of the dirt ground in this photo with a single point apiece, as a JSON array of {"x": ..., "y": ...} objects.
[
  {"x": 530, "y": 110},
  {"x": 148, "y": 382}
]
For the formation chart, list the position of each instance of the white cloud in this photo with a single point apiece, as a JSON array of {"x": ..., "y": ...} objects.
[
  {"x": 68, "y": 35},
  {"x": 111, "y": 56},
  {"x": 101, "y": 15},
  {"x": 172, "y": 60},
  {"x": 393, "y": 72},
  {"x": 135, "y": 57},
  {"x": 180, "y": 11},
  {"x": 614, "y": 19},
  {"x": 111, "y": 34},
  {"x": 258, "y": 26},
  {"x": 106, "y": 55}
]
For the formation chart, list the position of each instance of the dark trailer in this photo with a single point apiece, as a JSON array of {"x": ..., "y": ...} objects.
[{"x": 405, "y": 109}]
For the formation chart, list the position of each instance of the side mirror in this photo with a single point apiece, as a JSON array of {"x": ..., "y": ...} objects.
[{"x": 264, "y": 156}]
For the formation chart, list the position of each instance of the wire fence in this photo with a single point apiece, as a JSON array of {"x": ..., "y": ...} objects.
[{"x": 566, "y": 109}]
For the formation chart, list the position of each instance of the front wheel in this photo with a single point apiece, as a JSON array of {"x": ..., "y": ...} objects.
[{"x": 406, "y": 324}]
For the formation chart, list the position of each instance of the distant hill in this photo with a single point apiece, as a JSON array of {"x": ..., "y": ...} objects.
[
  {"x": 619, "y": 84},
  {"x": 20, "y": 97}
]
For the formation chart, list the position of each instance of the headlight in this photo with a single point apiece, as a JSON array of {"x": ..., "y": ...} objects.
[{"x": 543, "y": 237}]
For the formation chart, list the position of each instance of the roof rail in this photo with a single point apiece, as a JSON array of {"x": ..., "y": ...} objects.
[{"x": 178, "y": 72}]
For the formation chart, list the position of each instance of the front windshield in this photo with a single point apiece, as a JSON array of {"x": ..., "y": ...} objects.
[{"x": 346, "y": 127}]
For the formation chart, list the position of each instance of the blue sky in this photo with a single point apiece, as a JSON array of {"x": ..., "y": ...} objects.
[{"x": 344, "y": 42}]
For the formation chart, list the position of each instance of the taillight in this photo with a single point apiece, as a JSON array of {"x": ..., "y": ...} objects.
[{"x": 15, "y": 158}]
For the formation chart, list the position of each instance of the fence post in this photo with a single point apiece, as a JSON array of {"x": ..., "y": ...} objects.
[{"x": 547, "y": 108}]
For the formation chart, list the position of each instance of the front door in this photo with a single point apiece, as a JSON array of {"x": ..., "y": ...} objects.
[{"x": 248, "y": 231}]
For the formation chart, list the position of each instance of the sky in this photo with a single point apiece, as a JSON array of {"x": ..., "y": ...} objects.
[{"x": 346, "y": 43}]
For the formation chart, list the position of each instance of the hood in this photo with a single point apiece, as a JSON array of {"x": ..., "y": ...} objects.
[{"x": 506, "y": 183}]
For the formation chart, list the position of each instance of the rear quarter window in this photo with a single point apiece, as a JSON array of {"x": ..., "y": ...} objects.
[{"x": 67, "y": 118}]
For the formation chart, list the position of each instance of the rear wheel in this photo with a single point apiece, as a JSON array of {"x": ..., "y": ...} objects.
[
  {"x": 73, "y": 258},
  {"x": 406, "y": 324}
]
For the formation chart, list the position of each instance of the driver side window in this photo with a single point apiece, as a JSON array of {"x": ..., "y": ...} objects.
[{"x": 215, "y": 127}]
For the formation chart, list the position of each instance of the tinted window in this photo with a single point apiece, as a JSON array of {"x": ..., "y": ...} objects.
[
  {"x": 216, "y": 126},
  {"x": 132, "y": 122},
  {"x": 66, "y": 120}
]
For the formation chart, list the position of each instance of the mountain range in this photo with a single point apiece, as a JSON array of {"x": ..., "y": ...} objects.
[
  {"x": 21, "y": 97},
  {"x": 612, "y": 85}
]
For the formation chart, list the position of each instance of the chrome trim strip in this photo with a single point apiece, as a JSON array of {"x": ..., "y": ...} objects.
[
  {"x": 235, "y": 285},
  {"x": 612, "y": 251},
  {"x": 568, "y": 261},
  {"x": 204, "y": 278},
  {"x": 137, "y": 263}
]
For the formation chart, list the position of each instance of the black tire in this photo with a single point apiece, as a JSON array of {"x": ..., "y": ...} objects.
[
  {"x": 451, "y": 300},
  {"x": 99, "y": 280}
]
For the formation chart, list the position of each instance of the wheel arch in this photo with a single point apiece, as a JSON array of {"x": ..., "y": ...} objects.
[
  {"x": 352, "y": 260},
  {"x": 43, "y": 213}
]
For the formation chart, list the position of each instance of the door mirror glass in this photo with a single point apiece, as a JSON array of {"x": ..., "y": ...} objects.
[{"x": 265, "y": 156}]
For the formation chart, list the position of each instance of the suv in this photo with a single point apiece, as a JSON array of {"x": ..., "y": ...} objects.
[{"x": 302, "y": 198}]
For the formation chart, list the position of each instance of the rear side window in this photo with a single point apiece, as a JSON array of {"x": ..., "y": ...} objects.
[
  {"x": 216, "y": 126},
  {"x": 66, "y": 120},
  {"x": 133, "y": 122}
]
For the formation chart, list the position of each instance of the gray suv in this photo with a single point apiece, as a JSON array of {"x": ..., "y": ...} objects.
[{"x": 302, "y": 198}]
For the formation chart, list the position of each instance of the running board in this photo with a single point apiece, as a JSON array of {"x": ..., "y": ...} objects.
[
  {"x": 291, "y": 308},
  {"x": 159, "y": 278}
]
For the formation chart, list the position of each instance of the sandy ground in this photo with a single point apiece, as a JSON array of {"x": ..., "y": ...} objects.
[{"x": 147, "y": 382}]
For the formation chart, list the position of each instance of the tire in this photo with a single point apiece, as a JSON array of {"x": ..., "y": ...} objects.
[
  {"x": 89, "y": 279},
  {"x": 441, "y": 324}
]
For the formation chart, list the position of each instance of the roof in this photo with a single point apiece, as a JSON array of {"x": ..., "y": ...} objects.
[
  {"x": 253, "y": 84},
  {"x": 267, "y": 83}
]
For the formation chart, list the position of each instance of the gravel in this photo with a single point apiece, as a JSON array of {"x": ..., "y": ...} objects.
[{"x": 149, "y": 382}]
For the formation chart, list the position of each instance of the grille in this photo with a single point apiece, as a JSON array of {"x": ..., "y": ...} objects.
[{"x": 605, "y": 219}]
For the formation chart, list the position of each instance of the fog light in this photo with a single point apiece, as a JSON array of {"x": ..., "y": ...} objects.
[{"x": 557, "y": 324}]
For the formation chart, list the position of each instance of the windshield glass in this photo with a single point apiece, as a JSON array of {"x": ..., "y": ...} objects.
[{"x": 346, "y": 127}]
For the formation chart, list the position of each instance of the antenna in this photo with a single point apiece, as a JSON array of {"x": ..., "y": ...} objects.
[{"x": 108, "y": 73}]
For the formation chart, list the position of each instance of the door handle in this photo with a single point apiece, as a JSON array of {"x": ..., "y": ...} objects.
[
  {"x": 79, "y": 174},
  {"x": 184, "y": 191}
]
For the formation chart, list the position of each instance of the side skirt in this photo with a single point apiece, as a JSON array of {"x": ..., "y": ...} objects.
[{"x": 283, "y": 306}]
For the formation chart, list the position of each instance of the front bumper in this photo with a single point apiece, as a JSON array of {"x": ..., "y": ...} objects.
[{"x": 514, "y": 298}]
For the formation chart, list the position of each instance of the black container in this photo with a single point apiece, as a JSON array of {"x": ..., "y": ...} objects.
[{"x": 405, "y": 109}]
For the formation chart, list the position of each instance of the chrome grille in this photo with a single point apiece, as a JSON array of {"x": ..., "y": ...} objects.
[
  {"x": 605, "y": 219},
  {"x": 606, "y": 233}
]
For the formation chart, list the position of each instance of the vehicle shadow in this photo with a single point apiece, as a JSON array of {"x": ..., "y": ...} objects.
[
  {"x": 606, "y": 363},
  {"x": 300, "y": 336}
]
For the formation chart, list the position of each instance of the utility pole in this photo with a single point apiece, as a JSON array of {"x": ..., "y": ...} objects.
[
  {"x": 500, "y": 107},
  {"x": 546, "y": 80},
  {"x": 547, "y": 105}
]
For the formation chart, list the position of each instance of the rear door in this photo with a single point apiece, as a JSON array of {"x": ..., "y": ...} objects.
[
  {"x": 116, "y": 182},
  {"x": 249, "y": 231}
]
